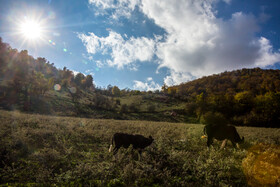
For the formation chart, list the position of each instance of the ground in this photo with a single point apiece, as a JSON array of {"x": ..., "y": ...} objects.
[{"x": 41, "y": 149}]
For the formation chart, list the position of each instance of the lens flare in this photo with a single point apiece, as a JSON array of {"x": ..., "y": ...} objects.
[
  {"x": 57, "y": 87},
  {"x": 73, "y": 90}
]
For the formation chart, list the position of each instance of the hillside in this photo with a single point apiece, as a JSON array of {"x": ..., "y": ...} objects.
[
  {"x": 36, "y": 86},
  {"x": 257, "y": 81},
  {"x": 249, "y": 97}
]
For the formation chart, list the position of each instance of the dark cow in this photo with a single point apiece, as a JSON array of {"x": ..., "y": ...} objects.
[
  {"x": 222, "y": 132},
  {"x": 125, "y": 140}
]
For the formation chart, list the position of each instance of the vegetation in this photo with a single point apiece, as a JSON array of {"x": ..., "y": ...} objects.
[
  {"x": 247, "y": 97},
  {"x": 46, "y": 150}
]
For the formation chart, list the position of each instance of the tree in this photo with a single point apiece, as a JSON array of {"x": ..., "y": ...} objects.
[
  {"x": 116, "y": 91},
  {"x": 244, "y": 101},
  {"x": 267, "y": 109},
  {"x": 78, "y": 79},
  {"x": 164, "y": 88},
  {"x": 214, "y": 118},
  {"x": 201, "y": 104},
  {"x": 88, "y": 83}
]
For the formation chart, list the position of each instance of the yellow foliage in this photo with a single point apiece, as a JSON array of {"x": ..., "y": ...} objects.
[
  {"x": 262, "y": 165},
  {"x": 172, "y": 90}
]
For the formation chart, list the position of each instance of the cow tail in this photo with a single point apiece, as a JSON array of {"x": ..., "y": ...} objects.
[{"x": 111, "y": 146}]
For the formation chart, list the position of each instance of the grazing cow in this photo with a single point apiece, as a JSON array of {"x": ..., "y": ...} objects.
[
  {"x": 125, "y": 140},
  {"x": 222, "y": 132}
]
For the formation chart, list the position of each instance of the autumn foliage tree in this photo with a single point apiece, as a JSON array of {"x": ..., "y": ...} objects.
[{"x": 24, "y": 79}]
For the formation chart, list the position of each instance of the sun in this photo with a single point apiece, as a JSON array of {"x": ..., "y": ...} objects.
[{"x": 31, "y": 29}]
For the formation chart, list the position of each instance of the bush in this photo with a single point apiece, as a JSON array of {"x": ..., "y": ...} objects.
[
  {"x": 124, "y": 108},
  {"x": 214, "y": 118},
  {"x": 151, "y": 108},
  {"x": 133, "y": 108}
]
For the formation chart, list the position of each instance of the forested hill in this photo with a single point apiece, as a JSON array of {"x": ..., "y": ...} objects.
[
  {"x": 248, "y": 97},
  {"x": 244, "y": 97},
  {"x": 256, "y": 81},
  {"x": 29, "y": 84}
]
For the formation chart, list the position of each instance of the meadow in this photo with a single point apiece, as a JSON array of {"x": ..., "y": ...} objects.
[{"x": 39, "y": 149}]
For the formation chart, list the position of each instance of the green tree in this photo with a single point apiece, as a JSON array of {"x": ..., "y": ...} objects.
[
  {"x": 267, "y": 109},
  {"x": 116, "y": 91},
  {"x": 201, "y": 104},
  {"x": 244, "y": 101},
  {"x": 88, "y": 82},
  {"x": 78, "y": 79}
]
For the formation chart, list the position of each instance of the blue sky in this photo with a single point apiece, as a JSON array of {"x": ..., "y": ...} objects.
[{"x": 142, "y": 44}]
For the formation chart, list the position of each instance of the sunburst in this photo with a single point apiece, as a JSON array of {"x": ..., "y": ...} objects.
[{"x": 31, "y": 29}]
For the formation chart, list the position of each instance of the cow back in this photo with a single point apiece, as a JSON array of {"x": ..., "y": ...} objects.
[
  {"x": 221, "y": 132},
  {"x": 125, "y": 140}
]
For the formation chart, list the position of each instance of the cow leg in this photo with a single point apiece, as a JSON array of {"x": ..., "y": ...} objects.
[
  {"x": 115, "y": 150},
  {"x": 223, "y": 144},
  {"x": 139, "y": 154},
  {"x": 237, "y": 145},
  {"x": 209, "y": 141},
  {"x": 234, "y": 144}
]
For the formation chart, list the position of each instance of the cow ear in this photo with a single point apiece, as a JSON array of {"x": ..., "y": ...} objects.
[{"x": 151, "y": 137}]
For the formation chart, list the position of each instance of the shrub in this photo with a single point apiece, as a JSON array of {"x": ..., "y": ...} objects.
[
  {"x": 214, "y": 118},
  {"x": 151, "y": 108},
  {"x": 124, "y": 108},
  {"x": 133, "y": 108}
]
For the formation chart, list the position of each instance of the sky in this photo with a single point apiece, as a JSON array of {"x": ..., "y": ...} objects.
[{"x": 143, "y": 44}]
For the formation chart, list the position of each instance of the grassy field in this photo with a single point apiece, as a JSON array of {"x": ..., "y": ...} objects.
[{"x": 38, "y": 149}]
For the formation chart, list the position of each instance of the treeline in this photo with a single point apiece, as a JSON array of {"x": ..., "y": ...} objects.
[
  {"x": 24, "y": 79},
  {"x": 248, "y": 97}
]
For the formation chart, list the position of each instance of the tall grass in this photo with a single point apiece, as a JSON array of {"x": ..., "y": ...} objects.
[{"x": 37, "y": 149}]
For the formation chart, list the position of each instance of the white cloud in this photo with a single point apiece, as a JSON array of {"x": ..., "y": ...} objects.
[
  {"x": 99, "y": 63},
  {"x": 76, "y": 72},
  {"x": 227, "y": 1},
  {"x": 196, "y": 43},
  {"x": 148, "y": 85},
  {"x": 119, "y": 8},
  {"x": 267, "y": 56},
  {"x": 90, "y": 72},
  {"x": 149, "y": 79},
  {"x": 175, "y": 78},
  {"x": 123, "y": 52}
]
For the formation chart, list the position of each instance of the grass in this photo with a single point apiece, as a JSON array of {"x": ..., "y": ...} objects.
[{"x": 37, "y": 149}]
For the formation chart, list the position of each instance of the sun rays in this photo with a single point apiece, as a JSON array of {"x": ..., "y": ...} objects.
[{"x": 31, "y": 29}]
